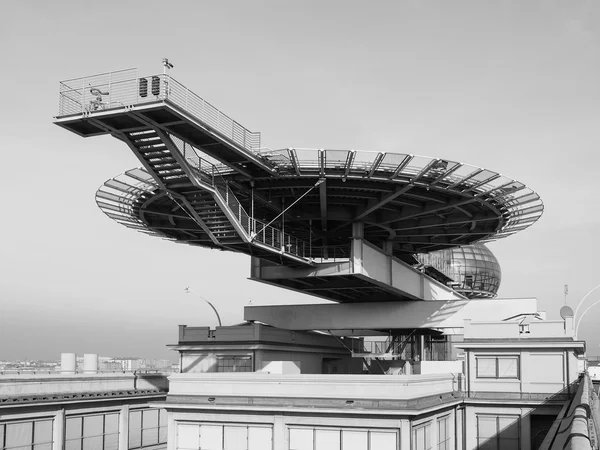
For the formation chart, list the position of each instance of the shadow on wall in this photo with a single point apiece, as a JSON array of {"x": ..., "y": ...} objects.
[
  {"x": 199, "y": 363},
  {"x": 151, "y": 381},
  {"x": 499, "y": 431}
]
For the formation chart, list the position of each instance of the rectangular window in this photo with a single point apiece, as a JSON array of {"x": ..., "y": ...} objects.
[
  {"x": 30, "y": 435},
  {"x": 443, "y": 429},
  {"x": 234, "y": 364},
  {"x": 223, "y": 436},
  {"x": 301, "y": 439},
  {"x": 498, "y": 432},
  {"x": 19, "y": 435},
  {"x": 501, "y": 367},
  {"x": 92, "y": 432},
  {"x": 342, "y": 439},
  {"x": 354, "y": 440},
  {"x": 421, "y": 435},
  {"x": 327, "y": 439},
  {"x": 147, "y": 427},
  {"x": 188, "y": 436},
  {"x": 235, "y": 438},
  {"x": 211, "y": 437}
]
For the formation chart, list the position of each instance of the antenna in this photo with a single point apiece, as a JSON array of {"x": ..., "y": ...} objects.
[
  {"x": 566, "y": 292},
  {"x": 166, "y": 65}
]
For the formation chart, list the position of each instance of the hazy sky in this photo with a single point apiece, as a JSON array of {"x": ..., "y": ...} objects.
[{"x": 509, "y": 86}]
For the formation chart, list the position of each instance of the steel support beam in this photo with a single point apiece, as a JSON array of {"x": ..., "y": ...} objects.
[{"x": 449, "y": 316}]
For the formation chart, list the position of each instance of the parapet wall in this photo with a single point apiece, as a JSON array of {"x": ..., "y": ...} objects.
[{"x": 29, "y": 384}]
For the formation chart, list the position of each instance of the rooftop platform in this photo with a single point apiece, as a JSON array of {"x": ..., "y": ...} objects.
[{"x": 187, "y": 147}]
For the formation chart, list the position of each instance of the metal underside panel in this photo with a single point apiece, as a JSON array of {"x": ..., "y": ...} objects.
[{"x": 447, "y": 316}]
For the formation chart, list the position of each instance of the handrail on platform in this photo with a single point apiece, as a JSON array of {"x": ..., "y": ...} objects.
[
  {"x": 125, "y": 88},
  {"x": 256, "y": 230}
]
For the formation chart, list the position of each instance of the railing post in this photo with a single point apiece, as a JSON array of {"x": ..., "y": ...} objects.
[{"x": 82, "y": 94}]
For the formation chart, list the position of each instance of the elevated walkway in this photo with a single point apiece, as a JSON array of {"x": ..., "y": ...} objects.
[
  {"x": 167, "y": 106},
  {"x": 162, "y": 130},
  {"x": 370, "y": 272}
]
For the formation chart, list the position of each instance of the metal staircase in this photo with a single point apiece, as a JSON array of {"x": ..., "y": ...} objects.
[
  {"x": 198, "y": 188},
  {"x": 213, "y": 216}
]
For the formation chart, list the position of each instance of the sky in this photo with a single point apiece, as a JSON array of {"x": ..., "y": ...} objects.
[{"x": 510, "y": 86}]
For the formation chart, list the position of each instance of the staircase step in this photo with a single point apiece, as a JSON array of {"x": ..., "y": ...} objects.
[
  {"x": 202, "y": 206},
  {"x": 222, "y": 229},
  {"x": 140, "y": 137},
  {"x": 157, "y": 154},
  {"x": 166, "y": 172},
  {"x": 149, "y": 143},
  {"x": 166, "y": 166},
  {"x": 216, "y": 222}
]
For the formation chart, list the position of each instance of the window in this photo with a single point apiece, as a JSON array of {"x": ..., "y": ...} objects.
[
  {"x": 497, "y": 367},
  {"x": 147, "y": 427},
  {"x": 443, "y": 433},
  {"x": 498, "y": 432},
  {"x": 213, "y": 436},
  {"x": 30, "y": 435},
  {"x": 422, "y": 437},
  {"x": 92, "y": 432},
  {"x": 342, "y": 438},
  {"x": 234, "y": 364}
]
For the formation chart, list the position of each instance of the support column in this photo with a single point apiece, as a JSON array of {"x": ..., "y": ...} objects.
[
  {"x": 388, "y": 247},
  {"x": 358, "y": 230},
  {"x": 171, "y": 431},
  {"x": 279, "y": 435},
  {"x": 356, "y": 246},
  {"x": 405, "y": 434},
  {"x": 124, "y": 428},
  {"x": 58, "y": 430}
]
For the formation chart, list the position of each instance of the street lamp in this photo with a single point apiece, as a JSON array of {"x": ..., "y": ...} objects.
[
  {"x": 577, "y": 322},
  {"x": 189, "y": 291}
]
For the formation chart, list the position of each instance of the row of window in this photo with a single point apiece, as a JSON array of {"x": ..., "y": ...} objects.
[
  {"x": 147, "y": 428},
  {"x": 338, "y": 439},
  {"x": 421, "y": 435},
  {"x": 259, "y": 437},
  {"x": 498, "y": 432},
  {"x": 494, "y": 432},
  {"x": 31, "y": 435},
  {"x": 234, "y": 364},
  {"x": 219, "y": 437},
  {"x": 498, "y": 367}
]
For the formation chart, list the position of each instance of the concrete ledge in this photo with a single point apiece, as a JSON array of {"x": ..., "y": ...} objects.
[
  {"x": 15, "y": 386},
  {"x": 384, "y": 387}
]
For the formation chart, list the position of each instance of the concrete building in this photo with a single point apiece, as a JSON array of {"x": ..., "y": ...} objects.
[
  {"x": 413, "y": 352},
  {"x": 82, "y": 411}
]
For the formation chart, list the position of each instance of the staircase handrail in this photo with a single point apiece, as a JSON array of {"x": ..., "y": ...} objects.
[
  {"x": 268, "y": 235},
  {"x": 123, "y": 88}
]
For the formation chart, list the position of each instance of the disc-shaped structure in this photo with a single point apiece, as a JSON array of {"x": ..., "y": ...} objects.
[{"x": 411, "y": 204}]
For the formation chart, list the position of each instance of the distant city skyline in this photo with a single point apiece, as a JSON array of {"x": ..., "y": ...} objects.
[{"x": 508, "y": 86}]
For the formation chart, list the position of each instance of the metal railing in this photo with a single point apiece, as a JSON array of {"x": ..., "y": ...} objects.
[
  {"x": 125, "y": 88},
  {"x": 82, "y": 371},
  {"x": 440, "y": 261},
  {"x": 521, "y": 204},
  {"x": 256, "y": 230}
]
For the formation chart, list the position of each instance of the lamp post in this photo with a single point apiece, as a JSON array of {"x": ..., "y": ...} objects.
[
  {"x": 578, "y": 322},
  {"x": 189, "y": 291}
]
